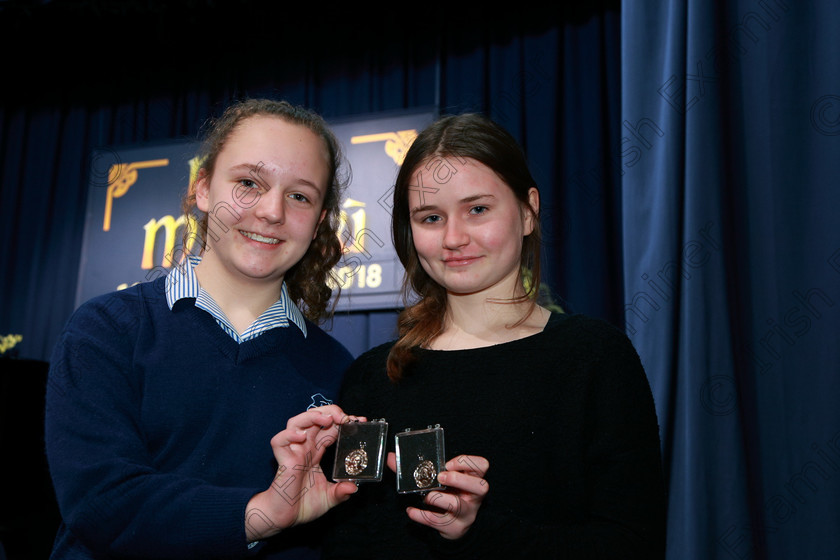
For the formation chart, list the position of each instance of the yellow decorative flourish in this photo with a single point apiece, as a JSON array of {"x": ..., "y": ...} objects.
[
  {"x": 120, "y": 178},
  {"x": 9, "y": 341},
  {"x": 396, "y": 143}
]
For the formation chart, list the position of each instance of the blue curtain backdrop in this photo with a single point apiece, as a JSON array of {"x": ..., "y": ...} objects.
[
  {"x": 731, "y": 159},
  {"x": 688, "y": 155}
]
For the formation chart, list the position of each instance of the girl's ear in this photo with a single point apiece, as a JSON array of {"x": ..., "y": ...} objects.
[
  {"x": 202, "y": 190},
  {"x": 531, "y": 213}
]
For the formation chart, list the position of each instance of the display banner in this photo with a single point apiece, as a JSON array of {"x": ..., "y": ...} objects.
[{"x": 134, "y": 224}]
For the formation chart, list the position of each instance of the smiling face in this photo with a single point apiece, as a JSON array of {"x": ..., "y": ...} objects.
[
  {"x": 264, "y": 199},
  {"x": 468, "y": 231}
]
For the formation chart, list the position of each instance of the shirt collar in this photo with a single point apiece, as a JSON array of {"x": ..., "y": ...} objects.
[{"x": 182, "y": 283}]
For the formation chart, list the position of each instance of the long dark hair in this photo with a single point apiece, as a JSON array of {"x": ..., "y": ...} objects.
[
  {"x": 306, "y": 280},
  {"x": 476, "y": 137}
]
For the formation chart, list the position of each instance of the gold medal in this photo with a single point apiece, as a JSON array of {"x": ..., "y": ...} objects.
[
  {"x": 356, "y": 461},
  {"x": 424, "y": 474}
]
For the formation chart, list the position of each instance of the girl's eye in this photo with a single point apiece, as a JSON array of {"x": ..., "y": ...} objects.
[
  {"x": 248, "y": 183},
  {"x": 432, "y": 219},
  {"x": 478, "y": 210},
  {"x": 299, "y": 197}
]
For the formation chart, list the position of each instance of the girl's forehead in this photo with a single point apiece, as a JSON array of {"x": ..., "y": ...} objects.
[
  {"x": 273, "y": 145},
  {"x": 271, "y": 125},
  {"x": 277, "y": 135},
  {"x": 453, "y": 171}
]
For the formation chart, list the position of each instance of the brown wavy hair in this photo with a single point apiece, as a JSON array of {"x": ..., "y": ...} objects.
[
  {"x": 473, "y": 136},
  {"x": 306, "y": 280}
]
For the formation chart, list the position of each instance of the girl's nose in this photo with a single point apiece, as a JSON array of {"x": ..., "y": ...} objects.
[{"x": 271, "y": 206}]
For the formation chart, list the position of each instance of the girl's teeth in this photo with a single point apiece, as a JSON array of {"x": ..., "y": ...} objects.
[{"x": 260, "y": 238}]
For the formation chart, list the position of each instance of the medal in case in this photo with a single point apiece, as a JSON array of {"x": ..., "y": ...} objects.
[
  {"x": 360, "y": 451},
  {"x": 420, "y": 457}
]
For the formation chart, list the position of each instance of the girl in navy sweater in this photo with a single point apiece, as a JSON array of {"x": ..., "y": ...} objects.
[{"x": 186, "y": 416}]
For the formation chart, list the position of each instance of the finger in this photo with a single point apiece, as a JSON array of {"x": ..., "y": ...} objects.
[
  {"x": 391, "y": 460},
  {"x": 329, "y": 434},
  {"x": 472, "y": 464},
  {"x": 464, "y": 482},
  {"x": 352, "y": 418},
  {"x": 337, "y": 414},
  {"x": 443, "y": 503},
  {"x": 288, "y": 437},
  {"x": 329, "y": 410},
  {"x": 301, "y": 436},
  {"x": 310, "y": 418},
  {"x": 325, "y": 437}
]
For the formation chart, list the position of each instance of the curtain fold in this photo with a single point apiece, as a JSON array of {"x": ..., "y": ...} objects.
[{"x": 730, "y": 193}]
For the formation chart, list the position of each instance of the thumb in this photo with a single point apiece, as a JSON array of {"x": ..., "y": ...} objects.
[{"x": 342, "y": 491}]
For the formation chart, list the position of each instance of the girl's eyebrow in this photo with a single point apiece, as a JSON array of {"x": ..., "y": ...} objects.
[
  {"x": 475, "y": 198},
  {"x": 423, "y": 208},
  {"x": 467, "y": 200},
  {"x": 251, "y": 168},
  {"x": 254, "y": 170}
]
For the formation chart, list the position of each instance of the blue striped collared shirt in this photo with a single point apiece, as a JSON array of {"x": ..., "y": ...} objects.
[{"x": 182, "y": 283}]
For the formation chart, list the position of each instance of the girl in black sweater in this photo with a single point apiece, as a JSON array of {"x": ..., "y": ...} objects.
[{"x": 550, "y": 428}]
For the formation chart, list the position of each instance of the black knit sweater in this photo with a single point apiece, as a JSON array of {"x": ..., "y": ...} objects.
[{"x": 565, "y": 417}]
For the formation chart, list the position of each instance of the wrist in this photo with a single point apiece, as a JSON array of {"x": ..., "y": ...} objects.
[{"x": 259, "y": 519}]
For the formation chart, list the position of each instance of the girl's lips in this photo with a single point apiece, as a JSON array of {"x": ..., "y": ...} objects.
[{"x": 459, "y": 261}]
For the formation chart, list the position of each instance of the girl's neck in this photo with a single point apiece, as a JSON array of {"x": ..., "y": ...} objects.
[
  {"x": 240, "y": 300},
  {"x": 473, "y": 322}
]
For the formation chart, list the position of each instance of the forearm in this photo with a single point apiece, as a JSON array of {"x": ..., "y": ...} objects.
[{"x": 158, "y": 516}]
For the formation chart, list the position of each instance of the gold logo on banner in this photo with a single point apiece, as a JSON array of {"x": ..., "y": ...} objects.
[
  {"x": 396, "y": 143},
  {"x": 170, "y": 225},
  {"x": 353, "y": 235},
  {"x": 120, "y": 178},
  {"x": 349, "y": 233}
]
